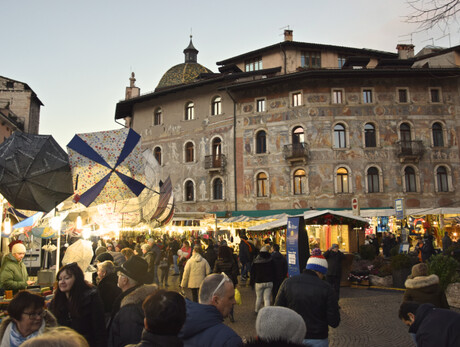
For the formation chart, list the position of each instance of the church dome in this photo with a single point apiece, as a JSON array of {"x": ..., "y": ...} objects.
[{"x": 183, "y": 73}]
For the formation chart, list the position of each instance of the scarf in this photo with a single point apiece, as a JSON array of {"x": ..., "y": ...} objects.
[{"x": 15, "y": 337}]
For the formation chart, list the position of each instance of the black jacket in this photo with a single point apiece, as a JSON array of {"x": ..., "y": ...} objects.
[
  {"x": 108, "y": 291},
  {"x": 90, "y": 321},
  {"x": 229, "y": 267},
  {"x": 281, "y": 266},
  {"x": 211, "y": 256},
  {"x": 334, "y": 262},
  {"x": 263, "y": 269},
  {"x": 436, "y": 327},
  {"x": 312, "y": 298},
  {"x": 152, "y": 340}
]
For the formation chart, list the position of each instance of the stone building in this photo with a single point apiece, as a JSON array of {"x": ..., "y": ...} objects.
[
  {"x": 21, "y": 100},
  {"x": 297, "y": 125}
]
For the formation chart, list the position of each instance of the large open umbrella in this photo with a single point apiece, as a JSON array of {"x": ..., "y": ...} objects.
[
  {"x": 106, "y": 166},
  {"x": 34, "y": 172}
]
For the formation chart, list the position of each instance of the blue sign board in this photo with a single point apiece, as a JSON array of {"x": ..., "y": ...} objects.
[
  {"x": 399, "y": 208},
  {"x": 292, "y": 246}
]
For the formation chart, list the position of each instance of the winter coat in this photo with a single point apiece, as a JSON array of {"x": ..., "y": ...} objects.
[
  {"x": 49, "y": 320},
  {"x": 427, "y": 248},
  {"x": 128, "y": 323},
  {"x": 263, "y": 269},
  {"x": 246, "y": 250},
  {"x": 152, "y": 340},
  {"x": 108, "y": 291},
  {"x": 334, "y": 262},
  {"x": 118, "y": 258},
  {"x": 425, "y": 289},
  {"x": 312, "y": 298},
  {"x": 272, "y": 343},
  {"x": 156, "y": 254},
  {"x": 90, "y": 320},
  {"x": 281, "y": 266},
  {"x": 204, "y": 327},
  {"x": 436, "y": 327},
  {"x": 211, "y": 256},
  {"x": 13, "y": 274},
  {"x": 149, "y": 257},
  {"x": 117, "y": 303},
  {"x": 196, "y": 269},
  {"x": 446, "y": 243},
  {"x": 229, "y": 267}
]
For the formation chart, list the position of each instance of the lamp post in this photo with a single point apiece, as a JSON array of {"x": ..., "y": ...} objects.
[{"x": 56, "y": 222}]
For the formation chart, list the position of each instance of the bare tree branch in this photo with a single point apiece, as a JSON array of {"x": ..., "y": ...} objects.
[{"x": 430, "y": 13}]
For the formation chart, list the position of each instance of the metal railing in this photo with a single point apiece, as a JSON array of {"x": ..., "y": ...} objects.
[
  {"x": 214, "y": 162},
  {"x": 295, "y": 151}
]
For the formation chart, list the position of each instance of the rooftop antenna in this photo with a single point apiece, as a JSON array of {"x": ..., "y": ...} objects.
[
  {"x": 432, "y": 40},
  {"x": 283, "y": 28},
  {"x": 411, "y": 37},
  {"x": 448, "y": 34}
]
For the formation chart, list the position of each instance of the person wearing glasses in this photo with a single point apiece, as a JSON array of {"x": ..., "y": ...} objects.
[
  {"x": 26, "y": 318},
  {"x": 204, "y": 325},
  {"x": 77, "y": 305}
]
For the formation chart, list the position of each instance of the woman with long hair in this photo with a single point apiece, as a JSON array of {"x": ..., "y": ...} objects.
[{"x": 77, "y": 305}]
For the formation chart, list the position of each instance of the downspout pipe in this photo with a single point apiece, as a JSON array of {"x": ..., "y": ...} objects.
[
  {"x": 285, "y": 59},
  {"x": 234, "y": 149}
]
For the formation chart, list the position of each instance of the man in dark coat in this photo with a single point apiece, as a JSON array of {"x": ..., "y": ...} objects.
[
  {"x": 107, "y": 287},
  {"x": 281, "y": 269},
  {"x": 245, "y": 255},
  {"x": 432, "y": 326},
  {"x": 334, "y": 267},
  {"x": 427, "y": 248},
  {"x": 446, "y": 242},
  {"x": 312, "y": 298}
]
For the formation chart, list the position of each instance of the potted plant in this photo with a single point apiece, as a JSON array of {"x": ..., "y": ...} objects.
[
  {"x": 380, "y": 273},
  {"x": 401, "y": 265},
  {"x": 445, "y": 267}
]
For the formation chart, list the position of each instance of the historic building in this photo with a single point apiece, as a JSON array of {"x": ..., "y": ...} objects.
[
  {"x": 297, "y": 125},
  {"x": 20, "y": 101}
]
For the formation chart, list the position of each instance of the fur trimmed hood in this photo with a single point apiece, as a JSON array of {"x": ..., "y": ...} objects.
[
  {"x": 139, "y": 295},
  {"x": 421, "y": 281}
]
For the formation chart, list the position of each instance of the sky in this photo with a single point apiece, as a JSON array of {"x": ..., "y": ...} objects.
[{"x": 77, "y": 56}]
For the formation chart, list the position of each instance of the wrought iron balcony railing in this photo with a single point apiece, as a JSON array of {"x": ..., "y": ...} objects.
[
  {"x": 296, "y": 151},
  {"x": 410, "y": 150},
  {"x": 215, "y": 162}
]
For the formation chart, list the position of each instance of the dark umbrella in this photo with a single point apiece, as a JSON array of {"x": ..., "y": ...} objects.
[{"x": 34, "y": 172}]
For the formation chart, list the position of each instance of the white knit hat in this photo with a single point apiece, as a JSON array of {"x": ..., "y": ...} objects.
[
  {"x": 18, "y": 248},
  {"x": 280, "y": 323},
  {"x": 317, "y": 263}
]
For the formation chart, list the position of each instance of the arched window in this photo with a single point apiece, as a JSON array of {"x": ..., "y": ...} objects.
[
  {"x": 189, "y": 191},
  {"x": 157, "y": 116},
  {"x": 373, "y": 185},
  {"x": 410, "y": 179},
  {"x": 189, "y": 111},
  {"x": 217, "y": 152},
  {"x": 342, "y": 180},
  {"x": 438, "y": 138},
  {"x": 216, "y": 106},
  {"x": 405, "y": 137},
  {"x": 298, "y": 135},
  {"x": 441, "y": 177},
  {"x": 340, "y": 140},
  {"x": 217, "y": 189},
  {"x": 157, "y": 154},
  {"x": 262, "y": 184},
  {"x": 261, "y": 142},
  {"x": 370, "y": 135},
  {"x": 299, "y": 182},
  {"x": 189, "y": 152}
]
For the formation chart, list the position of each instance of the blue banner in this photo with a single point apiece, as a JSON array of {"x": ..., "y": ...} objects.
[{"x": 292, "y": 246}]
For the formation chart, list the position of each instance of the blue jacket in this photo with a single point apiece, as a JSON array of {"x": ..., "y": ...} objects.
[{"x": 204, "y": 327}]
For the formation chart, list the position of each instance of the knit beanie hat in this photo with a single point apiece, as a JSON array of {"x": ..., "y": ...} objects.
[
  {"x": 280, "y": 323},
  {"x": 317, "y": 263},
  {"x": 419, "y": 270},
  {"x": 104, "y": 256},
  {"x": 18, "y": 248}
]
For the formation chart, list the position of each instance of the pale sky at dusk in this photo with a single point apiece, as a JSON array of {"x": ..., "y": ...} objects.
[{"x": 78, "y": 55}]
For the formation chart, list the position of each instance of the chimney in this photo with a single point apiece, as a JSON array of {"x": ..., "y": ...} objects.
[
  {"x": 288, "y": 35},
  {"x": 405, "y": 51},
  {"x": 132, "y": 91}
]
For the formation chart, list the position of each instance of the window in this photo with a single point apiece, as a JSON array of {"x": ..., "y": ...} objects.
[
  {"x": 339, "y": 136},
  {"x": 369, "y": 136},
  {"x": 410, "y": 179},
  {"x": 337, "y": 96},
  {"x": 298, "y": 135},
  {"x": 253, "y": 64},
  {"x": 217, "y": 152},
  {"x": 262, "y": 184},
  {"x": 157, "y": 154},
  {"x": 189, "y": 152},
  {"x": 341, "y": 61},
  {"x": 441, "y": 178},
  {"x": 402, "y": 96},
  {"x": 296, "y": 99},
  {"x": 438, "y": 138},
  {"x": 435, "y": 95},
  {"x": 157, "y": 119},
  {"x": 216, "y": 106},
  {"x": 342, "y": 180},
  {"x": 217, "y": 189},
  {"x": 373, "y": 180},
  {"x": 260, "y": 105},
  {"x": 405, "y": 137},
  {"x": 367, "y": 96},
  {"x": 299, "y": 182},
  {"x": 189, "y": 111},
  {"x": 189, "y": 191},
  {"x": 261, "y": 142},
  {"x": 311, "y": 60}
]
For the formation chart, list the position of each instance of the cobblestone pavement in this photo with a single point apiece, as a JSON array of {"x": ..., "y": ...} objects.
[{"x": 369, "y": 317}]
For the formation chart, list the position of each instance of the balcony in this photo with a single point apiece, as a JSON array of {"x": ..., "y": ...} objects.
[
  {"x": 215, "y": 162},
  {"x": 296, "y": 152},
  {"x": 409, "y": 151}
]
